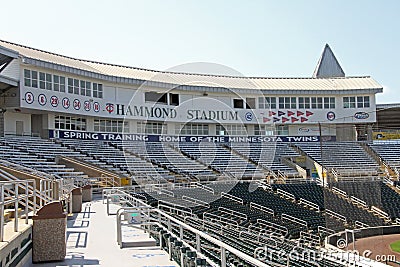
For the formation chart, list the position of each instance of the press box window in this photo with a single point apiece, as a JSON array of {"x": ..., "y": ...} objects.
[
  {"x": 304, "y": 102},
  {"x": 264, "y": 130},
  {"x": 329, "y": 102},
  {"x": 349, "y": 102},
  {"x": 287, "y": 102},
  {"x": 192, "y": 129},
  {"x": 155, "y": 97},
  {"x": 70, "y": 123},
  {"x": 73, "y": 86},
  {"x": 250, "y": 103},
  {"x": 151, "y": 128},
  {"x": 282, "y": 130},
  {"x": 97, "y": 90},
  {"x": 316, "y": 102},
  {"x": 267, "y": 102},
  {"x": 238, "y": 103},
  {"x": 86, "y": 88},
  {"x": 31, "y": 78},
  {"x": 363, "y": 102},
  {"x": 174, "y": 99},
  {"x": 45, "y": 81},
  {"x": 231, "y": 129},
  {"x": 59, "y": 83}
]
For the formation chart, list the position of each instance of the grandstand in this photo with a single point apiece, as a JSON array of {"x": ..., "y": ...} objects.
[{"x": 215, "y": 169}]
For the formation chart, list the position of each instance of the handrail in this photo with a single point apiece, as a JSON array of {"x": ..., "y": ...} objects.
[
  {"x": 288, "y": 217},
  {"x": 207, "y": 188},
  {"x": 164, "y": 203},
  {"x": 218, "y": 218},
  {"x": 232, "y": 197},
  {"x": 315, "y": 239},
  {"x": 43, "y": 195},
  {"x": 12, "y": 188},
  {"x": 380, "y": 212},
  {"x": 339, "y": 191},
  {"x": 285, "y": 194},
  {"x": 387, "y": 181},
  {"x": 65, "y": 184},
  {"x": 322, "y": 229},
  {"x": 274, "y": 226},
  {"x": 359, "y": 201},
  {"x": 233, "y": 212},
  {"x": 262, "y": 208},
  {"x": 196, "y": 201},
  {"x": 199, "y": 234},
  {"x": 361, "y": 224},
  {"x": 310, "y": 204},
  {"x": 336, "y": 215}
]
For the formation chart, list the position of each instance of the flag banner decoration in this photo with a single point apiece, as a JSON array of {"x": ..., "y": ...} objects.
[
  {"x": 286, "y": 116},
  {"x": 302, "y": 119},
  {"x": 290, "y": 113},
  {"x": 281, "y": 113}
]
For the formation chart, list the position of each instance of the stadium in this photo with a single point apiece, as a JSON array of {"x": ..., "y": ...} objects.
[{"x": 206, "y": 170}]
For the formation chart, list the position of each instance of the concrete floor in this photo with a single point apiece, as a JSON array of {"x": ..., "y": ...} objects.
[{"x": 91, "y": 241}]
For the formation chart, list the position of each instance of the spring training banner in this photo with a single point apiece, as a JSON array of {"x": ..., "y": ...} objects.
[{"x": 61, "y": 134}]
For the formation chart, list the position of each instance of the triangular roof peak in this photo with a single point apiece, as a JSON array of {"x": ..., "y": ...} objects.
[{"x": 328, "y": 66}]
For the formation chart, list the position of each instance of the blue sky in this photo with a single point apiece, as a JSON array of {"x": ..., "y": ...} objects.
[{"x": 256, "y": 38}]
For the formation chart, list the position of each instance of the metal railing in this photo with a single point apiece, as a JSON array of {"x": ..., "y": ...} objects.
[
  {"x": 10, "y": 196},
  {"x": 139, "y": 205}
]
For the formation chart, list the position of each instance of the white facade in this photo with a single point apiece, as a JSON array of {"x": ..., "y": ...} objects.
[{"x": 63, "y": 95}]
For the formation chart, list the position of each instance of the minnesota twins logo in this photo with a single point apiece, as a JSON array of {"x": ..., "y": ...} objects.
[
  {"x": 110, "y": 107},
  {"x": 330, "y": 116}
]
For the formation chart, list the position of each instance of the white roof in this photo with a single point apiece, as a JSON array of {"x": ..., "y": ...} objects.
[{"x": 262, "y": 83}]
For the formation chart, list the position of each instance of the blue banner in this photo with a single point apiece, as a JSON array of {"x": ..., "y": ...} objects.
[{"x": 62, "y": 134}]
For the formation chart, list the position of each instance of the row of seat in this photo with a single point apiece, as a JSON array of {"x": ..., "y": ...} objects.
[
  {"x": 238, "y": 225},
  {"x": 166, "y": 156},
  {"x": 222, "y": 159},
  {"x": 39, "y": 154},
  {"x": 346, "y": 158},
  {"x": 374, "y": 193},
  {"x": 326, "y": 199},
  {"x": 389, "y": 152},
  {"x": 106, "y": 155},
  {"x": 269, "y": 155}
]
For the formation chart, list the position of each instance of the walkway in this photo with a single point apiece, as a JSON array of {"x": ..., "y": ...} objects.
[{"x": 91, "y": 241}]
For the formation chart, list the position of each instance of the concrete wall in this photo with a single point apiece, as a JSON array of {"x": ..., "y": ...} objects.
[
  {"x": 346, "y": 132},
  {"x": 10, "y": 119}
]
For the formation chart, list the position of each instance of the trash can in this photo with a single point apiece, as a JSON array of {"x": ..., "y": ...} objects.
[
  {"x": 77, "y": 200},
  {"x": 87, "y": 193},
  {"x": 49, "y": 233}
]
